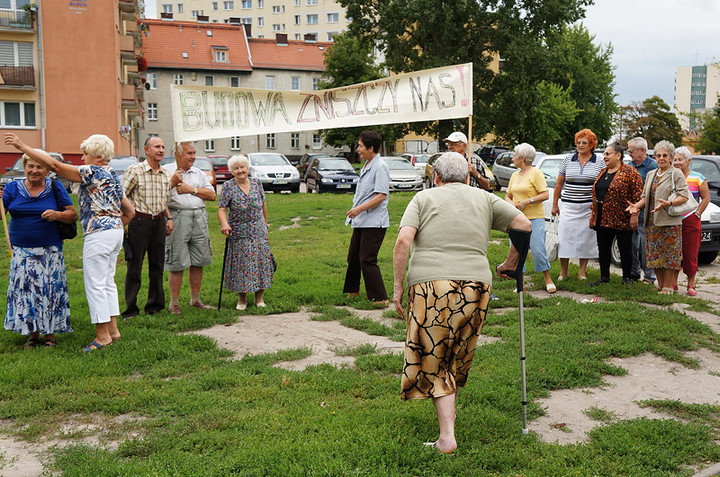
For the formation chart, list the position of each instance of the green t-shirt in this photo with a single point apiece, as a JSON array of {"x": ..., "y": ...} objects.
[{"x": 453, "y": 225}]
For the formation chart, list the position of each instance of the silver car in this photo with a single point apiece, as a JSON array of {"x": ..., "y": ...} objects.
[
  {"x": 274, "y": 171},
  {"x": 403, "y": 176},
  {"x": 418, "y": 161},
  {"x": 503, "y": 168}
]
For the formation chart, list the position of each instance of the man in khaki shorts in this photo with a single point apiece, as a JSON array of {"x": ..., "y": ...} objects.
[{"x": 188, "y": 246}]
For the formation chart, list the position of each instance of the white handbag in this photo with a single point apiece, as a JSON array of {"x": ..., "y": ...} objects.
[
  {"x": 551, "y": 238},
  {"x": 683, "y": 209}
]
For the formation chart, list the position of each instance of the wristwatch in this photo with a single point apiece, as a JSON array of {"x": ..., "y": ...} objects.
[
  {"x": 531, "y": 200},
  {"x": 194, "y": 192}
]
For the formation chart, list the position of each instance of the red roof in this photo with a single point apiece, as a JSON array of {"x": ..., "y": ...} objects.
[{"x": 165, "y": 42}]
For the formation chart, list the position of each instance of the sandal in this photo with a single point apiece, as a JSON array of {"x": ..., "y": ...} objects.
[
  {"x": 666, "y": 291},
  {"x": 31, "y": 343},
  {"x": 692, "y": 291},
  {"x": 50, "y": 342}
]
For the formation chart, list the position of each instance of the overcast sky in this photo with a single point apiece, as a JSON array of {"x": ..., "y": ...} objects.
[{"x": 650, "y": 39}]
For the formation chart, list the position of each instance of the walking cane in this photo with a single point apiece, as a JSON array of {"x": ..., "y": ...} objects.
[
  {"x": 222, "y": 275},
  {"x": 5, "y": 227},
  {"x": 521, "y": 241}
]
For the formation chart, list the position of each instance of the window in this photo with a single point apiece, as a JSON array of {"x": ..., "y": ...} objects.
[
  {"x": 210, "y": 145},
  {"x": 16, "y": 53},
  {"x": 297, "y": 3},
  {"x": 316, "y": 83},
  {"x": 312, "y": 19},
  {"x": 17, "y": 114},
  {"x": 180, "y": 7},
  {"x": 294, "y": 140},
  {"x": 312, "y": 2},
  {"x": 276, "y": 27},
  {"x": 152, "y": 80},
  {"x": 234, "y": 82},
  {"x": 276, "y": 9},
  {"x": 152, "y": 112},
  {"x": 195, "y": 13},
  {"x": 229, "y": 5},
  {"x": 317, "y": 141},
  {"x": 261, "y": 21},
  {"x": 220, "y": 57},
  {"x": 178, "y": 78},
  {"x": 295, "y": 83},
  {"x": 297, "y": 19},
  {"x": 333, "y": 17},
  {"x": 167, "y": 8},
  {"x": 246, "y": 21},
  {"x": 261, "y": 3},
  {"x": 235, "y": 143},
  {"x": 269, "y": 82},
  {"x": 246, "y": 4},
  {"x": 209, "y": 81},
  {"x": 298, "y": 36},
  {"x": 331, "y": 35},
  {"x": 215, "y": 6},
  {"x": 270, "y": 141}
]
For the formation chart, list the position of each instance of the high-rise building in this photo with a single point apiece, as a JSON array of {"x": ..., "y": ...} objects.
[
  {"x": 696, "y": 91},
  {"x": 69, "y": 70},
  {"x": 299, "y": 19}
]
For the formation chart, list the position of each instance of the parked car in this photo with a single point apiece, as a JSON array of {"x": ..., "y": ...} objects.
[
  {"x": 274, "y": 171},
  {"x": 428, "y": 177},
  {"x": 201, "y": 162},
  {"x": 489, "y": 153},
  {"x": 418, "y": 161},
  {"x": 710, "y": 220},
  {"x": 120, "y": 163},
  {"x": 220, "y": 164},
  {"x": 306, "y": 160},
  {"x": 331, "y": 174},
  {"x": 403, "y": 176},
  {"x": 17, "y": 173},
  {"x": 503, "y": 168}
]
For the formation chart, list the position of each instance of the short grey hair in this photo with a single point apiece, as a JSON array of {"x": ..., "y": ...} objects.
[
  {"x": 526, "y": 151},
  {"x": 683, "y": 150},
  {"x": 451, "y": 167},
  {"x": 238, "y": 159},
  {"x": 178, "y": 147},
  {"x": 665, "y": 146},
  {"x": 638, "y": 142}
]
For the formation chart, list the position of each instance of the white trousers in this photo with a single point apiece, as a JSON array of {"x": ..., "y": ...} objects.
[{"x": 100, "y": 252}]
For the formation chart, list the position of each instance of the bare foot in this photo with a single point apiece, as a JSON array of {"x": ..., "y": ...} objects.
[{"x": 447, "y": 447}]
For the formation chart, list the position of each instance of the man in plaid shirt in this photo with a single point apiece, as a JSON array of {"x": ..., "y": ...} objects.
[{"x": 457, "y": 142}]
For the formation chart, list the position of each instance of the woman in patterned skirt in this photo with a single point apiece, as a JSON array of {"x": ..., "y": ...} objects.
[
  {"x": 37, "y": 298},
  {"x": 449, "y": 282},
  {"x": 663, "y": 232},
  {"x": 243, "y": 220}
]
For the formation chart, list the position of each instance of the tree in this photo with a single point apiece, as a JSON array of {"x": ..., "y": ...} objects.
[
  {"x": 652, "y": 120},
  {"x": 709, "y": 140}
]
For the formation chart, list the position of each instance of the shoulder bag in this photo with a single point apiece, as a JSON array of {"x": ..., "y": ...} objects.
[
  {"x": 684, "y": 208},
  {"x": 67, "y": 231}
]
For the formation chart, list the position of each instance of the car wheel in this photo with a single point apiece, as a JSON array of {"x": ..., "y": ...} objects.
[
  {"x": 295, "y": 189},
  {"x": 707, "y": 257},
  {"x": 497, "y": 186},
  {"x": 615, "y": 253},
  {"x": 427, "y": 184}
]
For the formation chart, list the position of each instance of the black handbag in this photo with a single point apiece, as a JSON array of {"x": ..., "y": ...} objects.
[{"x": 67, "y": 231}]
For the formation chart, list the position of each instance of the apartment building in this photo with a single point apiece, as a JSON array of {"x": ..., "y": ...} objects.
[
  {"x": 696, "y": 91},
  {"x": 69, "y": 70},
  {"x": 299, "y": 19},
  {"x": 216, "y": 54}
]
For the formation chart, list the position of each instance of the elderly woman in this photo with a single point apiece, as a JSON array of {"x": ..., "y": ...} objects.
[
  {"x": 37, "y": 298},
  {"x": 527, "y": 191},
  {"x": 448, "y": 285},
  {"x": 691, "y": 225},
  {"x": 574, "y": 186},
  {"x": 663, "y": 232},
  {"x": 103, "y": 211},
  {"x": 615, "y": 186},
  {"x": 249, "y": 262}
]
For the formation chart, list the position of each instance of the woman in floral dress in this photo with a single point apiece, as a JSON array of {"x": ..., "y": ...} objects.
[{"x": 243, "y": 220}]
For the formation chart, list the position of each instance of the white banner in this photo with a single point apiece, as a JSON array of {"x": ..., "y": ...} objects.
[{"x": 204, "y": 112}]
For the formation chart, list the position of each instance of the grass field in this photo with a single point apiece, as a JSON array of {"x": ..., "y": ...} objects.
[{"x": 189, "y": 410}]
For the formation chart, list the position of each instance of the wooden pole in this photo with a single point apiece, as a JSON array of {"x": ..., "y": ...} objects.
[
  {"x": 5, "y": 227},
  {"x": 469, "y": 146}
]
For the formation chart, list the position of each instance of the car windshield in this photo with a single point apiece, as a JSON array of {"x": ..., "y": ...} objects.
[
  {"x": 119, "y": 165},
  {"x": 399, "y": 164},
  {"x": 707, "y": 168},
  {"x": 268, "y": 160},
  {"x": 203, "y": 164},
  {"x": 18, "y": 165},
  {"x": 219, "y": 161},
  {"x": 335, "y": 165},
  {"x": 550, "y": 168}
]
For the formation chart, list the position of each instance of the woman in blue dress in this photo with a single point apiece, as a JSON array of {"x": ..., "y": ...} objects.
[
  {"x": 243, "y": 220},
  {"x": 104, "y": 210},
  {"x": 37, "y": 297}
]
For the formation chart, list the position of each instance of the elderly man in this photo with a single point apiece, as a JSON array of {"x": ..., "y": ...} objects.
[
  {"x": 369, "y": 219},
  {"x": 147, "y": 185},
  {"x": 458, "y": 142},
  {"x": 637, "y": 148},
  {"x": 188, "y": 246}
]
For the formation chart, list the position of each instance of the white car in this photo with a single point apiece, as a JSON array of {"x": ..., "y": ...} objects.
[
  {"x": 274, "y": 171},
  {"x": 550, "y": 165}
]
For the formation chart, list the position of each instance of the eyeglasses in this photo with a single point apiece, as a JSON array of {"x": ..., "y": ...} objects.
[
  {"x": 631, "y": 151},
  {"x": 662, "y": 155},
  {"x": 454, "y": 143},
  {"x": 581, "y": 143}
]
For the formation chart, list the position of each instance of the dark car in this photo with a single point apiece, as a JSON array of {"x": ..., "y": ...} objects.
[
  {"x": 489, "y": 153},
  {"x": 17, "y": 173},
  {"x": 351, "y": 156},
  {"x": 305, "y": 161},
  {"x": 709, "y": 166},
  {"x": 331, "y": 174},
  {"x": 220, "y": 164}
]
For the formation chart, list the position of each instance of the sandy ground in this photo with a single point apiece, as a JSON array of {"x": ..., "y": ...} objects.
[{"x": 649, "y": 377}]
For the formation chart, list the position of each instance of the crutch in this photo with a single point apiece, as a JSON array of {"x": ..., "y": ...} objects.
[
  {"x": 222, "y": 274},
  {"x": 521, "y": 242}
]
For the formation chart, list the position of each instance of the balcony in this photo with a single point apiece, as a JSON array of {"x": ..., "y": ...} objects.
[
  {"x": 16, "y": 20},
  {"x": 17, "y": 77}
]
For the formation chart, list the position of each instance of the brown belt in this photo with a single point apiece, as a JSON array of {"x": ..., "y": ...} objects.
[{"x": 140, "y": 215}]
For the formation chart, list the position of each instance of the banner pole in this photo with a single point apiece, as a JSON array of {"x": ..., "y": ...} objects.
[
  {"x": 5, "y": 227},
  {"x": 469, "y": 146}
]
